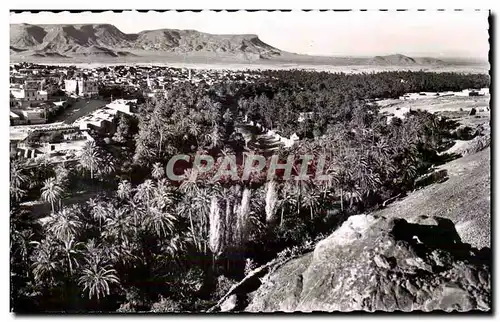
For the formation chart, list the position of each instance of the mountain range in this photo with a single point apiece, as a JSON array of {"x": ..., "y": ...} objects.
[{"x": 106, "y": 42}]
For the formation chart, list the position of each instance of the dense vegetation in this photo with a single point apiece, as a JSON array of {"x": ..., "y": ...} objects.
[{"x": 118, "y": 235}]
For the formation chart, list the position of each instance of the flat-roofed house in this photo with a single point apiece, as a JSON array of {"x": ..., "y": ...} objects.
[
  {"x": 36, "y": 141},
  {"x": 122, "y": 105},
  {"x": 100, "y": 119}
]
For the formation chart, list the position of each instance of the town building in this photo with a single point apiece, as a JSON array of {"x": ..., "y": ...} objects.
[
  {"x": 122, "y": 105},
  {"x": 81, "y": 87},
  {"x": 14, "y": 119},
  {"x": 34, "y": 116},
  {"x": 30, "y": 142},
  {"x": 27, "y": 92}
]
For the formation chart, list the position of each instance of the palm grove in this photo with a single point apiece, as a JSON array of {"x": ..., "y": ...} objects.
[{"x": 117, "y": 235}]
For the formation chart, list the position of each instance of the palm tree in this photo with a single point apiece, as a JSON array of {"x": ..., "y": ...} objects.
[
  {"x": 106, "y": 165},
  {"x": 124, "y": 190},
  {"x": 310, "y": 199},
  {"x": 195, "y": 130},
  {"x": 145, "y": 191},
  {"x": 196, "y": 203},
  {"x": 17, "y": 193},
  {"x": 45, "y": 260},
  {"x": 96, "y": 253},
  {"x": 97, "y": 277},
  {"x": 71, "y": 249},
  {"x": 287, "y": 199},
  {"x": 100, "y": 212},
  {"x": 62, "y": 175},
  {"x": 20, "y": 240},
  {"x": 216, "y": 226},
  {"x": 215, "y": 136},
  {"x": 91, "y": 157},
  {"x": 271, "y": 200},
  {"x": 162, "y": 196},
  {"x": 136, "y": 212},
  {"x": 174, "y": 245},
  {"x": 117, "y": 225},
  {"x": 17, "y": 177},
  {"x": 158, "y": 172},
  {"x": 158, "y": 123},
  {"x": 190, "y": 183},
  {"x": 161, "y": 222},
  {"x": 186, "y": 206},
  {"x": 51, "y": 191},
  {"x": 65, "y": 223}
]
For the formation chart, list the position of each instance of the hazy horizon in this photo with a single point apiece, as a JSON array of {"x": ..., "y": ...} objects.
[{"x": 440, "y": 34}]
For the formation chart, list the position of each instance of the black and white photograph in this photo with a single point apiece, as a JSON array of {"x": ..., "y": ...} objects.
[{"x": 250, "y": 161}]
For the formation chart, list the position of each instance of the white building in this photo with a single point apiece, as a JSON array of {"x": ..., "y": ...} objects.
[
  {"x": 96, "y": 119},
  {"x": 42, "y": 95},
  {"x": 73, "y": 141},
  {"x": 35, "y": 116},
  {"x": 484, "y": 91},
  {"x": 81, "y": 87},
  {"x": 122, "y": 105},
  {"x": 28, "y": 94}
]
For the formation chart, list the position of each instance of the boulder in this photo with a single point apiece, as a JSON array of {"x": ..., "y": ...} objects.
[
  {"x": 377, "y": 264},
  {"x": 472, "y": 111}
]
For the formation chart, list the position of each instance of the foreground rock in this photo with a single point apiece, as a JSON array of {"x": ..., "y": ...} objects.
[{"x": 374, "y": 263}]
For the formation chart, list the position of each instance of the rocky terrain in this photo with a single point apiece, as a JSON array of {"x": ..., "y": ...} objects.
[
  {"x": 373, "y": 263},
  {"x": 464, "y": 197}
]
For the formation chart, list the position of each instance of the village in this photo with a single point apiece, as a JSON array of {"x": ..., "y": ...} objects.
[{"x": 55, "y": 110}]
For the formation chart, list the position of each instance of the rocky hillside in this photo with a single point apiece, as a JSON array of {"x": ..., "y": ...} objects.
[
  {"x": 464, "y": 198},
  {"x": 107, "y": 40},
  {"x": 373, "y": 263}
]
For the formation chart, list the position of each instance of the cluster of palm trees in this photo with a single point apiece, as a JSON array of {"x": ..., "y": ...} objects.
[
  {"x": 149, "y": 233},
  {"x": 95, "y": 248}
]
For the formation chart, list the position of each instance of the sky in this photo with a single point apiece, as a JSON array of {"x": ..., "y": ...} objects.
[{"x": 461, "y": 34}]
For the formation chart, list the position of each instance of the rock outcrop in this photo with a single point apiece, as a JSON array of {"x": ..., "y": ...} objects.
[{"x": 374, "y": 263}]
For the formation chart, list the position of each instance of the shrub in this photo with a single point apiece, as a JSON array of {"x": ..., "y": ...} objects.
[
  {"x": 55, "y": 137},
  {"x": 166, "y": 305},
  {"x": 250, "y": 265},
  {"x": 126, "y": 308},
  {"x": 464, "y": 133},
  {"x": 223, "y": 286}
]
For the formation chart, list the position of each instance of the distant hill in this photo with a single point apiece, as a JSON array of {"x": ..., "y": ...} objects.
[{"x": 402, "y": 60}]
